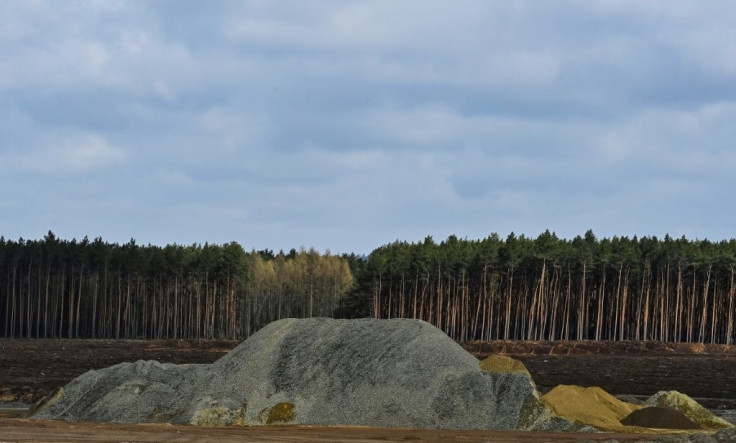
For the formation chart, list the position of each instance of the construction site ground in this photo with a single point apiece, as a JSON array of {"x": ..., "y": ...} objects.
[{"x": 29, "y": 369}]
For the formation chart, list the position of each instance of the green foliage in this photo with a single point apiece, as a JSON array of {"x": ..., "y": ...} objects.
[
  {"x": 552, "y": 288},
  {"x": 515, "y": 288},
  {"x": 280, "y": 413},
  {"x": 60, "y": 288}
]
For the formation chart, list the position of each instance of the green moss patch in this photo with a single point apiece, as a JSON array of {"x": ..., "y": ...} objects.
[
  {"x": 502, "y": 364},
  {"x": 218, "y": 416},
  {"x": 46, "y": 402},
  {"x": 280, "y": 413}
]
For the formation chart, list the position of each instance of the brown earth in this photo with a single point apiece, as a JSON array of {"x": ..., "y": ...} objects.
[
  {"x": 59, "y": 431},
  {"x": 29, "y": 369},
  {"x": 704, "y": 372},
  {"x": 589, "y": 347}
]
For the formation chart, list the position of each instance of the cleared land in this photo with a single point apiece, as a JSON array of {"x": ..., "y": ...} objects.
[
  {"x": 702, "y": 371},
  {"x": 27, "y": 430},
  {"x": 31, "y": 368}
]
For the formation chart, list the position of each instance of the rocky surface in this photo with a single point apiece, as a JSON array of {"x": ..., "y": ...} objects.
[
  {"x": 397, "y": 373},
  {"x": 382, "y": 373}
]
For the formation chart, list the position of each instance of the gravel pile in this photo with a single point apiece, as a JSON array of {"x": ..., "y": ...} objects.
[{"x": 383, "y": 373}]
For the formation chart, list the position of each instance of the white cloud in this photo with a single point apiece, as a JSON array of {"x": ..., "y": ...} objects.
[
  {"x": 295, "y": 120},
  {"x": 711, "y": 49},
  {"x": 692, "y": 142},
  {"x": 362, "y": 26},
  {"x": 68, "y": 154}
]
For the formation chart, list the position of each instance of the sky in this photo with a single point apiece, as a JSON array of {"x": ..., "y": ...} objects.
[{"x": 346, "y": 125}]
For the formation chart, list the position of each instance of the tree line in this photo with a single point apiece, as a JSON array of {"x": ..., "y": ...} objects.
[
  {"x": 543, "y": 288},
  {"x": 54, "y": 288},
  {"x": 547, "y": 288}
]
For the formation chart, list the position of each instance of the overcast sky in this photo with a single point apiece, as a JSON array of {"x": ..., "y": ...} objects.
[{"x": 350, "y": 124}]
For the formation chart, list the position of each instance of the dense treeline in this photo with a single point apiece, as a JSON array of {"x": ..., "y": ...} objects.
[
  {"x": 544, "y": 288},
  {"x": 94, "y": 289},
  {"x": 550, "y": 289}
]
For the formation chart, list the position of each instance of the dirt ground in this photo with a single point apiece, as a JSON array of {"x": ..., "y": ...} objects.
[
  {"x": 28, "y": 430},
  {"x": 704, "y": 372},
  {"x": 29, "y": 369}
]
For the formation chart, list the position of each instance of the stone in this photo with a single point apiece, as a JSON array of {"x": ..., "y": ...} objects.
[
  {"x": 366, "y": 372},
  {"x": 725, "y": 435}
]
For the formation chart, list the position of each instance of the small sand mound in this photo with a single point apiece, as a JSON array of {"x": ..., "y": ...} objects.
[
  {"x": 662, "y": 418},
  {"x": 503, "y": 364},
  {"x": 591, "y": 406},
  {"x": 689, "y": 407}
]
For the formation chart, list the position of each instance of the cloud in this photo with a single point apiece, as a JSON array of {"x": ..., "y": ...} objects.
[
  {"x": 67, "y": 155},
  {"x": 350, "y": 124}
]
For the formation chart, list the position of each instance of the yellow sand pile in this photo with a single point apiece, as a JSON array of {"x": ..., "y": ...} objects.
[
  {"x": 591, "y": 406},
  {"x": 502, "y": 364}
]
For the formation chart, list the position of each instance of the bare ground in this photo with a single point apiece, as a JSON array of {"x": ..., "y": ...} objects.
[
  {"x": 59, "y": 431},
  {"x": 29, "y": 369},
  {"x": 704, "y": 372}
]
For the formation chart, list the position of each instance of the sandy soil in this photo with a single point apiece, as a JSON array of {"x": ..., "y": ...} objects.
[
  {"x": 704, "y": 372},
  {"x": 29, "y": 430},
  {"x": 31, "y": 368}
]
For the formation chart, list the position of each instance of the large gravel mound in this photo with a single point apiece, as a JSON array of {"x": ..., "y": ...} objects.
[{"x": 384, "y": 373}]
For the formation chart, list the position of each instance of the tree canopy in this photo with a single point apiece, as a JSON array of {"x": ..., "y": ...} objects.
[
  {"x": 543, "y": 288},
  {"x": 548, "y": 288},
  {"x": 60, "y": 288}
]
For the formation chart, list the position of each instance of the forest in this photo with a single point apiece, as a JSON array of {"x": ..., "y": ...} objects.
[
  {"x": 54, "y": 288},
  {"x": 522, "y": 288},
  {"x": 549, "y": 288}
]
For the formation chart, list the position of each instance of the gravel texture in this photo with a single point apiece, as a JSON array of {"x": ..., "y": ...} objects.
[{"x": 382, "y": 373}]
